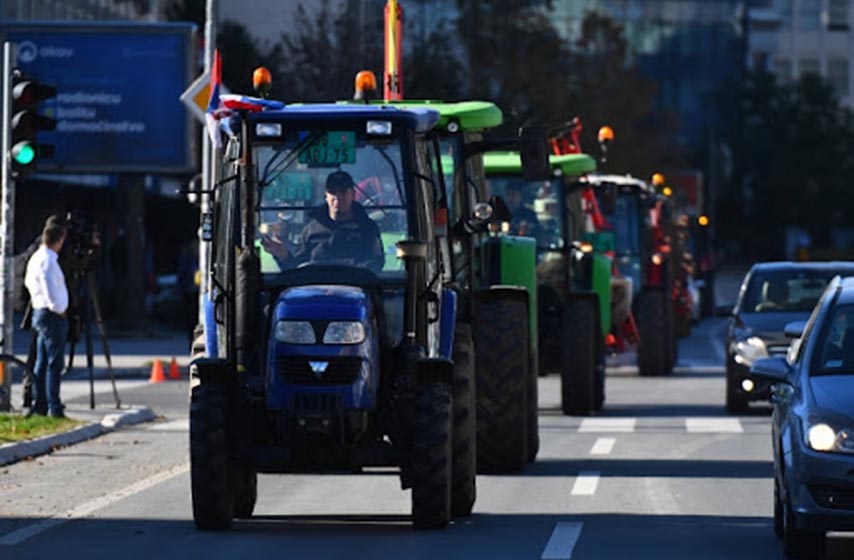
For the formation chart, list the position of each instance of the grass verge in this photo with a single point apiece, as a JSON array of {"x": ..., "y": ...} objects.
[{"x": 15, "y": 427}]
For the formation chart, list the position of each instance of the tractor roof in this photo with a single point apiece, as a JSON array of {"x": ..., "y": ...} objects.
[
  {"x": 619, "y": 180},
  {"x": 469, "y": 115},
  {"x": 509, "y": 163},
  {"x": 421, "y": 119}
]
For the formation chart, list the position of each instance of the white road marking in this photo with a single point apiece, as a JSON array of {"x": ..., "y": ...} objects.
[
  {"x": 713, "y": 425},
  {"x": 88, "y": 508},
  {"x": 562, "y": 541},
  {"x": 603, "y": 446},
  {"x": 585, "y": 483},
  {"x": 608, "y": 425},
  {"x": 176, "y": 425}
]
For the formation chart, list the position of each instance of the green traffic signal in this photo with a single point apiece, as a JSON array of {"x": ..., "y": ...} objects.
[{"x": 23, "y": 153}]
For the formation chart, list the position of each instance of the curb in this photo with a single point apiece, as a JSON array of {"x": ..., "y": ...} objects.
[{"x": 14, "y": 452}]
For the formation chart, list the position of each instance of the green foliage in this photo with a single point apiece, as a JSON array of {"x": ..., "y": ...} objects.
[{"x": 797, "y": 157}]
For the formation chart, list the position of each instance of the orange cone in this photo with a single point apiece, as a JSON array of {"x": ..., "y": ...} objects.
[
  {"x": 156, "y": 372},
  {"x": 174, "y": 372}
]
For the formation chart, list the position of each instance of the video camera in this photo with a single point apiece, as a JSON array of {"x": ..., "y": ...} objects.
[{"x": 82, "y": 244}]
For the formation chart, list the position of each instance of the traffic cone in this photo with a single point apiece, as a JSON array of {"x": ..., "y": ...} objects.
[
  {"x": 156, "y": 372},
  {"x": 174, "y": 372}
]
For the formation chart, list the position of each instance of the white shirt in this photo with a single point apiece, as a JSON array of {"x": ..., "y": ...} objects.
[{"x": 46, "y": 282}]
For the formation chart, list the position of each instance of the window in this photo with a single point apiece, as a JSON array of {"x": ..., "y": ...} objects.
[
  {"x": 837, "y": 14},
  {"x": 809, "y": 14},
  {"x": 835, "y": 351},
  {"x": 837, "y": 74},
  {"x": 808, "y": 66},
  {"x": 783, "y": 70},
  {"x": 784, "y": 8}
]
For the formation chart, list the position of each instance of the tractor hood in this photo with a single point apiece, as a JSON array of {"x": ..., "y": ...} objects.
[{"x": 340, "y": 303}]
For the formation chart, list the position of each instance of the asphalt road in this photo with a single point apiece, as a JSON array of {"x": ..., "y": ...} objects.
[{"x": 662, "y": 473}]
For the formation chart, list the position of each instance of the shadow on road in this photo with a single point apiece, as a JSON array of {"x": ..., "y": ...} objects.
[{"x": 652, "y": 468}]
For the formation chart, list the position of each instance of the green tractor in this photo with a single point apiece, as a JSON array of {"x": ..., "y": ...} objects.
[
  {"x": 497, "y": 286},
  {"x": 573, "y": 279}
]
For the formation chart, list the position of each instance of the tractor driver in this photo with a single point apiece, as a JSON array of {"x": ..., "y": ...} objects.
[
  {"x": 338, "y": 231},
  {"x": 524, "y": 220}
]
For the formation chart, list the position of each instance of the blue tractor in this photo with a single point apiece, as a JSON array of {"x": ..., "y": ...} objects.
[{"x": 330, "y": 321}]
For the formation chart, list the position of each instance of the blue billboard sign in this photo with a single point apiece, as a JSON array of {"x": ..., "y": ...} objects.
[{"x": 118, "y": 105}]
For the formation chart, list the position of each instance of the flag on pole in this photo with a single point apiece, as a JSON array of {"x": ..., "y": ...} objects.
[{"x": 211, "y": 116}]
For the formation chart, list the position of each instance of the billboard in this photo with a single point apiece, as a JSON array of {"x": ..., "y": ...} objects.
[{"x": 117, "y": 107}]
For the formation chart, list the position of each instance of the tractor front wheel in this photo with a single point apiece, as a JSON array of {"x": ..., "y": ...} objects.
[
  {"x": 432, "y": 457},
  {"x": 210, "y": 469},
  {"x": 464, "y": 490}
]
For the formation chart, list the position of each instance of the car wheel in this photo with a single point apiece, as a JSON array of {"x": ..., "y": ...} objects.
[
  {"x": 800, "y": 543},
  {"x": 778, "y": 510}
]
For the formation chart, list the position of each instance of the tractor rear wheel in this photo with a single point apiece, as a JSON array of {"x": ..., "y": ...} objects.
[
  {"x": 463, "y": 491},
  {"x": 578, "y": 370},
  {"x": 656, "y": 346},
  {"x": 245, "y": 483},
  {"x": 533, "y": 438},
  {"x": 501, "y": 360},
  {"x": 210, "y": 469},
  {"x": 432, "y": 457}
]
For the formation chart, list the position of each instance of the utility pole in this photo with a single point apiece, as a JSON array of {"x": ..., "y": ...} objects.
[
  {"x": 211, "y": 19},
  {"x": 7, "y": 231}
]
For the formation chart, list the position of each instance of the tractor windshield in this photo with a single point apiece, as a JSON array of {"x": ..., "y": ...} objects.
[
  {"x": 534, "y": 206},
  {"x": 625, "y": 219},
  {"x": 331, "y": 197}
]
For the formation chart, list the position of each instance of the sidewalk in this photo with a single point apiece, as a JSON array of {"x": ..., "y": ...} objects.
[{"x": 132, "y": 356}]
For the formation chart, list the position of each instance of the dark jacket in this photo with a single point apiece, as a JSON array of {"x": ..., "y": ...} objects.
[{"x": 354, "y": 242}]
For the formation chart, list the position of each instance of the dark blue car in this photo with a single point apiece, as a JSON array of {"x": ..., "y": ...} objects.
[
  {"x": 772, "y": 295},
  {"x": 813, "y": 424}
]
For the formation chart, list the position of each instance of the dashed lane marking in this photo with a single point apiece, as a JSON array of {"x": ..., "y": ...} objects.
[
  {"x": 585, "y": 483},
  {"x": 713, "y": 425},
  {"x": 608, "y": 425},
  {"x": 562, "y": 541},
  {"x": 90, "y": 507},
  {"x": 603, "y": 446}
]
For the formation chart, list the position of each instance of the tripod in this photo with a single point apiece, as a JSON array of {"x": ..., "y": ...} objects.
[{"x": 89, "y": 306}]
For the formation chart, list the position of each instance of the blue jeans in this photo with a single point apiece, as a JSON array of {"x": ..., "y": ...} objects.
[{"x": 52, "y": 331}]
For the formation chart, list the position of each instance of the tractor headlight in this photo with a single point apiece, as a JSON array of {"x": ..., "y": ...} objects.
[
  {"x": 295, "y": 332},
  {"x": 344, "y": 332},
  {"x": 750, "y": 350}
]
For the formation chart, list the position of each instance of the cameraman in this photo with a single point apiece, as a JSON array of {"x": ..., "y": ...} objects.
[{"x": 49, "y": 296}]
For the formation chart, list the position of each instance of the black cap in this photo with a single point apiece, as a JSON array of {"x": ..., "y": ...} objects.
[{"x": 339, "y": 181}]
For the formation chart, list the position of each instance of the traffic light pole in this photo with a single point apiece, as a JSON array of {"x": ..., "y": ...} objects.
[{"x": 7, "y": 231}]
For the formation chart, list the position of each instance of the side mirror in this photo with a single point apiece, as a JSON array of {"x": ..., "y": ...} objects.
[
  {"x": 724, "y": 311},
  {"x": 534, "y": 152},
  {"x": 775, "y": 370},
  {"x": 795, "y": 329}
]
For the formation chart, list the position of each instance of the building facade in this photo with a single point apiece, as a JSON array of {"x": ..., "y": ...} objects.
[{"x": 791, "y": 38}]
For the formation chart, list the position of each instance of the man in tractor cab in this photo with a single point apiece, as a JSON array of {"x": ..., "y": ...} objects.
[
  {"x": 524, "y": 220},
  {"x": 338, "y": 231}
]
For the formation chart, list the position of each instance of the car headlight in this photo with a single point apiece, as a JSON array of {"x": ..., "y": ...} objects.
[
  {"x": 750, "y": 350},
  {"x": 295, "y": 332},
  {"x": 344, "y": 332},
  {"x": 822, "y": 437}
]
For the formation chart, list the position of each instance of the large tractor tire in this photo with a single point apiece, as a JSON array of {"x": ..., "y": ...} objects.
[
  {"x": 432, "y": 457},
  {"x": 244, "y": 481},
  {"x": 502, "y": 379},
  {"x": 657, "y": 341},
  {"x": 599, "y": 392},
  {"x": 197, "y": 348},
  {"x": 533, "y": 421},
  {"x": 579, "y": 360},
  {"x": 463, "y": 490},
  {"x": 210, "y": 470}
]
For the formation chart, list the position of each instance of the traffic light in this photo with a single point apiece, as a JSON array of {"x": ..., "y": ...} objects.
[{"x": 26, "y": 121}]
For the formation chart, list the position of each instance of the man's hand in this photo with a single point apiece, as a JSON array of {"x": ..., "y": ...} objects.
[{"x": 275, "y": 247}]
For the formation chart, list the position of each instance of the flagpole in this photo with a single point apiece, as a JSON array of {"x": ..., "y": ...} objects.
[{"x": 208, "y": 167}]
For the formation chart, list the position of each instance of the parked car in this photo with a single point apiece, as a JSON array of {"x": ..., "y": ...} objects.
[
  {"x": 772, "y": 295},
  {"x": 813, "y": 424}
]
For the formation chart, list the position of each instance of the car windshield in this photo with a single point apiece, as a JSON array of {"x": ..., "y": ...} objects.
[
  {"x": 534, "y": 206},
  {"x": 795, "y": 290},
  {"x": 836, "y": 347},
  {"x": 330, "y": 197}
]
